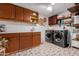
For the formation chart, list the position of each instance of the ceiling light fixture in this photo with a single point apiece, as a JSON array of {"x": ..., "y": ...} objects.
[
  {"x": 52, "y": 3},
  {"x": 49, "y": 8}
]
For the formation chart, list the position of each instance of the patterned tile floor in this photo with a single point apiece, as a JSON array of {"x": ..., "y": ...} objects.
[{"x": 48, "y": 49}]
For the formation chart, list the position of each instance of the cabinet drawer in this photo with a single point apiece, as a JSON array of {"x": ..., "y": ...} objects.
[
  {"x": 36, "y": 37},
  {"x": 36, "y": 33},
  {"x": 12, "y": 35},
  {"x": 2, "y": 35},
  {"x": 9, "y": 35},
  {"x": 26, "y": 34}
]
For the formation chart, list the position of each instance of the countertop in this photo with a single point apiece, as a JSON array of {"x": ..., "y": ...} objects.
[{"x": 17, "y": 32}]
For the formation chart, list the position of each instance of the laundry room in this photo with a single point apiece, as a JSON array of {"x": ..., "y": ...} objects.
[{"x": 39, "y": 29}]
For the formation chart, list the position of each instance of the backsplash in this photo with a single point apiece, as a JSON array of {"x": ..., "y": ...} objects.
[
  {"x": 17, "y": 26},
  {"x": 24, "y": 27}
]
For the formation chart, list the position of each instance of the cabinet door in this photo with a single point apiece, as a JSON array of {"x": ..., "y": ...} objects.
[
  {"x": 7, "y": 11},
  {"x": 27, "y": 15},
  {"x": 53, "y": 20},
  {"x": 19, "y": 13},
  {"x": 25, "y": 42},
  {"x": 36, "y": 38},
  {"x": 12, "y": 44}
]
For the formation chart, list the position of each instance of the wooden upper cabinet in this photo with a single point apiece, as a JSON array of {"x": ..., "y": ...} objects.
[
  {"x": 7, "y": 11},
  {"x": 19, "y": 13},
  {"x": 16, "y": 13},
  {"x": 27, "y": 15},
  {"x": 52, "y": 20}
]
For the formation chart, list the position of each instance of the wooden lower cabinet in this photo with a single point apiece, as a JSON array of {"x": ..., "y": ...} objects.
[
  {"x": 36, "y": 38},
  {"x": 25, "y": 42},
  {"x": 12, "y": 44},
  {"x": 20, "y": 41}
]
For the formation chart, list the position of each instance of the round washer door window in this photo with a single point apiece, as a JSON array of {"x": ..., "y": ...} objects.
[{"x": 58, "y": 36}]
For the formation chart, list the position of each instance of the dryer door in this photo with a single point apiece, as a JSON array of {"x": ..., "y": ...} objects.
[{"x": 58, "y": 36}]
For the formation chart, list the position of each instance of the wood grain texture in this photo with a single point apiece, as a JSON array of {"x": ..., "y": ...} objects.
[
  {"x": 20, "y": 41},
  {"x": 52, "y": 20},
  {"x": 7, "y": 11},
  {"x": 19, "y": 13}
]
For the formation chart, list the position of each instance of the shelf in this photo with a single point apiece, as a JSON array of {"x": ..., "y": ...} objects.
[
  {"x": 76, "y": 25},
  {"x": 75, "y": 40},
  {"x": 34, "y": 15},
  {"x": 74, "y": 9},
  {"x": 34, "y": 18},
  {"x": 64, "y": 18}
]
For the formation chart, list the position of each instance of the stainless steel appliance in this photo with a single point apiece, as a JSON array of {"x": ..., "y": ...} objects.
[
  {"x": 60, "y": 38},
  {"x": 49, "y": 36}
]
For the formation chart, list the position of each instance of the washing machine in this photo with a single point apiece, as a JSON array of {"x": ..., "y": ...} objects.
[
  {"x": 60, "y": 38},
  {"x": 49, "y": 36}
]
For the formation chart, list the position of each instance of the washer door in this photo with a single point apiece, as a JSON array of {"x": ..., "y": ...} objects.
[
  {"x": 48, "y": 35},
  {"x": 58, "y": 36}
]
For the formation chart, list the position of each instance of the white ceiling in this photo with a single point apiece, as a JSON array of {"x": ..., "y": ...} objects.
[{"x": 42, "y": 7}]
